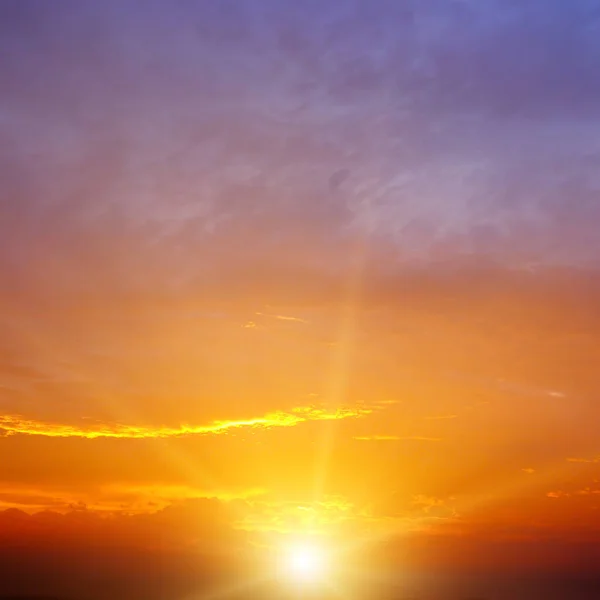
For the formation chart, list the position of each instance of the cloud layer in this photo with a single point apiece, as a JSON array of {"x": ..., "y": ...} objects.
[
  {"x": 258, "y": 132},
  {"x": 318, "y": 264}
]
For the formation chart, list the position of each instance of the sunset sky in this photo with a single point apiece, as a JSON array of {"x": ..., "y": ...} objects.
[{"x": 276, "y": 269}]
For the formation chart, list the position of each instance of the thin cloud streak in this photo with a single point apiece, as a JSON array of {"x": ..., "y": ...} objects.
[
  {"x": 17, "y": 425},
  {"x": 282, "y": 317},
  {"x": 392, "y": 438},
  {"x": 441, "y": 417}
]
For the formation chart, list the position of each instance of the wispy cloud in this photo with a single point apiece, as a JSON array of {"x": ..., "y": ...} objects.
[
  {"x": 441, "y": 417},
  {"x": 133, "y": 498},
  {"x": 388, "y": 438},
  {"x": 434, "y": 506},
  {"x": 150, "y": 497},
  {"x": 18, "y": 425},
  {"x": 584, "y": 492},
  {"x": 595, "y": 459},
  {"x": 282, "y": 317},
  {"x": 388, "y": 402}
]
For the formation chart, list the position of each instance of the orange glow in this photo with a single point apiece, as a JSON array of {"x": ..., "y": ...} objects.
[{"x": 299, "y": 299}]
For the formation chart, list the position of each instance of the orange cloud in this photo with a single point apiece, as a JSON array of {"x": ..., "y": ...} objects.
[
  {"x": 114, "y": 497},
  {"x": 584, "y": 492},
  {"x": 596, "y": 459},
  {"x": 441, "y": 417},
  {"x": 386, "y": 438},
  {"x": 161, "y": 495},
  {"x": 130, "y": 552},
  {"x": 434, "y": 507},
  {"x": 18, "y": 425},
  {"x": 282, "y": 317}
]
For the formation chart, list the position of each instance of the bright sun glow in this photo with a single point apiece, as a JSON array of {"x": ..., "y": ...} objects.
[{"x": 305, "y": 563}]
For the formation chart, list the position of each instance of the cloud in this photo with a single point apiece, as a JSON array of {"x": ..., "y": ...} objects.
[
  {"x": 528, "y": 470},
  {"x": 328, "y": 516},
  {"x": 434, "y": 506},
  {"x": 469, "y": 136},
  {"x": 34, "y": 500},
  {"x": 416, "y": 509},
  {"x": 588, "y": 491},
  {"x": 389, "y": 438},
  {"x": 595, "y": 459},
  {"x": 185, "y": 547},
  {"x": 17, "y": 425},
  {"x": 282, "y": 318},
  {"x": 130, "y": 498},
  {"x": 441, "y": 417}
]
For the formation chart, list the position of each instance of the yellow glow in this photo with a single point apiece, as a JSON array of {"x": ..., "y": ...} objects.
[{"x": 305, "y": 563}]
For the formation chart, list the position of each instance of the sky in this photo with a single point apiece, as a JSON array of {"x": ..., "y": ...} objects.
[{"x": 275, "y": 269}]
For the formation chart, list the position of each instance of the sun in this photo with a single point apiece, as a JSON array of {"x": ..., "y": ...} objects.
[{"x": 304, "y": 563}]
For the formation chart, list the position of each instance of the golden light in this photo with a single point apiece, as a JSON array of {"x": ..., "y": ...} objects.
[{"x": 304, "y": 563}]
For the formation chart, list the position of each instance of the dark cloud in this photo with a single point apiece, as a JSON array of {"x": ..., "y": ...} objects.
[
  {"x": 171, "y": 553},
  {"x": 189, "y": 550}
]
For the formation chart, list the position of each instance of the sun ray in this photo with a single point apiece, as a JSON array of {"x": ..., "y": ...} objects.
[{"x": 343, "y": 352}]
